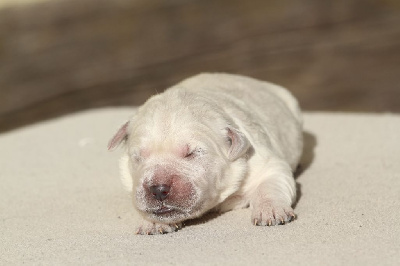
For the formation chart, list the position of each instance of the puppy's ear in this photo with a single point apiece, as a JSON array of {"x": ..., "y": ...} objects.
[
  {"x": 239, "y": 143},
  {"x": 120, "y": 136}
]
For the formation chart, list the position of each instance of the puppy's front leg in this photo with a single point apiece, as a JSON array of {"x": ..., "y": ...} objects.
[
  {"x": 272, "y": 199},
  {"x": 146, "y": 227}
]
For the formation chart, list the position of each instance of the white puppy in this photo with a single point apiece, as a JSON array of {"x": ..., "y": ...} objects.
[{"x": 212, "y": 142}]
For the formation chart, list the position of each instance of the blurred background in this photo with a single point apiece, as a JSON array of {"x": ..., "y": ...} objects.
[{"x": 62, "y": 56}]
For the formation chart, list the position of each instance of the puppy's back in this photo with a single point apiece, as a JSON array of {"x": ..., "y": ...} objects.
[{"x": 240, "y": 87}]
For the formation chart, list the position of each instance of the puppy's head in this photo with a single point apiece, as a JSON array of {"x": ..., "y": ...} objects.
[{"x": 178, "y": 164}]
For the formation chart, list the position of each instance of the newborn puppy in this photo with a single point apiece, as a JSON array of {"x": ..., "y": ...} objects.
[{"x": 212, "y": 142}]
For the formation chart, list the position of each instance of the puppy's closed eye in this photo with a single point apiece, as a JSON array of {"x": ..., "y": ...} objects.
[
  {"x": 193, "y": 153},
  {"x": 190, "y": 154},
  {"x": 136, "y": 156}
]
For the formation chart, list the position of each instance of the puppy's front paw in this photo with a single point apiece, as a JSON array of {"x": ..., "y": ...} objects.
[
  {"x": 150, "y": 228},
  {"x": 270, "y": 213}
]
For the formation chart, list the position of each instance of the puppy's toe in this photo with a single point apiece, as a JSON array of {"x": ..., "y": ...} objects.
[
  {"x": 150, "y": 228},
  {"x": 269, "y": 214}
]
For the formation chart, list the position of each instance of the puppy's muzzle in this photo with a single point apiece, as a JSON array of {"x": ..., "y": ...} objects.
[{"x": 160, "y": 192}]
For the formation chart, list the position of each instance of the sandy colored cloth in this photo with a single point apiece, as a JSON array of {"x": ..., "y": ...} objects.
[{"x": 61, "y": 201}]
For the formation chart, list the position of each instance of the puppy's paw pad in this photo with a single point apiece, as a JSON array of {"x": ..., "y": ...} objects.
[
  {"x": 150, "y": 228},
  {"x": 272, "y": 214}
]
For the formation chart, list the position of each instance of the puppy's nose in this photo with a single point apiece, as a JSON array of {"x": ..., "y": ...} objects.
[{"x": 160, "y": 192}]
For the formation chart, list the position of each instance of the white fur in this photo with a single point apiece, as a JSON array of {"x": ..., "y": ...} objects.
[
  {"x": 201, "y": 112},
  {"x": 126, "y": 177}
]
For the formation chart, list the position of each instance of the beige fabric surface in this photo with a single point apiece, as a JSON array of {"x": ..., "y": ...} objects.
[{"x": 61, "y": 201}]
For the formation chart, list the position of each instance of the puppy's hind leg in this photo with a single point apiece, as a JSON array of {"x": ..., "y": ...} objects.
[{"x": 273, "y": 197}]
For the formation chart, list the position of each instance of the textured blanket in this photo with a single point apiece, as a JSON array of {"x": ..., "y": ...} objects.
[{"x": 61, "y": 201}]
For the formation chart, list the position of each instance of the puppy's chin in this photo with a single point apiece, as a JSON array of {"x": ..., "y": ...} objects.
[
  {"x": 170, "y": 214},
  {"x": 166, "y": 215}
]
